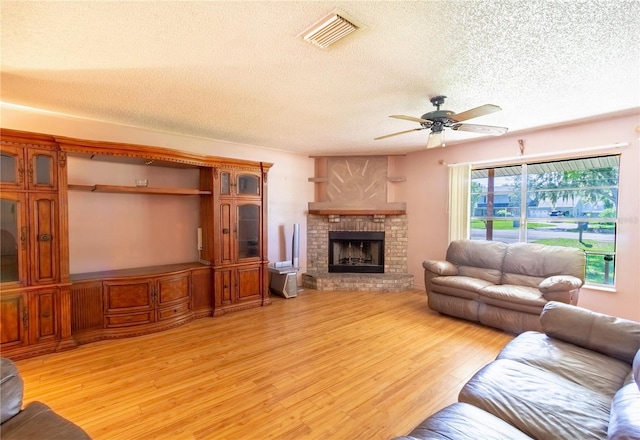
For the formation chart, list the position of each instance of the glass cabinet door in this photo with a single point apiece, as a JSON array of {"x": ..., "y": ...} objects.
[
  {"x": 225, "y": 183},
  {"x": 248, "y": 185},
  {"x": 11, "y": 167},
  {"x": 41, "y": 169},
  {"x": 13, "y": 238},
  {"x": 248, "y": 217}
]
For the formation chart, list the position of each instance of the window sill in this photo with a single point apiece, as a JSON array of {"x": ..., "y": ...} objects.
[{"x": 600, "y": 287}]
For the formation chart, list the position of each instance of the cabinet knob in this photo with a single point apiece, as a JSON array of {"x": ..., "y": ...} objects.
[
  {"x": 44, "y": 237},
  {"x": 225, "y": 231}
]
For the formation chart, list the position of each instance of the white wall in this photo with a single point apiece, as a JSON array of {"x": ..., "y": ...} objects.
[
  {"x": 426, "y": 195},
  {"x": 127, "y": 242}
]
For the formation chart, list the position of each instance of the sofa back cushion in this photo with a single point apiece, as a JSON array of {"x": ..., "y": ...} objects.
[
  {"x": 11, "y": 389},
  {"x": 527, "y": 264},
  {"x": 610, "y": 335},
  {"x": 478, "y": 259}
]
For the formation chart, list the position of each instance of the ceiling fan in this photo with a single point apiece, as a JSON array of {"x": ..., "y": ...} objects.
[{"x": 438, "y": 120}]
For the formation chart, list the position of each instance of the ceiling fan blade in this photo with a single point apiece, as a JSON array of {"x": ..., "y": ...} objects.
[
  {"x": 411, "y": 118},
  {"x": 400, "y": 132},
  {"x": 475, "y": 112},
  {"x": 485, "y": 129},
  {"x": 436, "y": 139}
]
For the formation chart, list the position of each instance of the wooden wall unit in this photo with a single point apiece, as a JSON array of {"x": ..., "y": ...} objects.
[
  {"x": 237, "y": 244},
  {"x": 45, "y": 309},
  {"x": 34, "y": 278}
]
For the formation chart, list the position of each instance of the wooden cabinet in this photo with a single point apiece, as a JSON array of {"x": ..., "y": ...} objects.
[
  {"x": 129, "y": 302},
  {"x": 44, "y": 248},
  {"x": 43, "y": 316},
  {"x": 30, "y": 322},
  {"x": 28, "y": 168},
  {"x": 31, "y": 250},
  {"x": 146, "y": 300},
  {"x": 13, "y": 321},
  {"x": 236, "y": 244},
  {"x": 29, "y": 234}
]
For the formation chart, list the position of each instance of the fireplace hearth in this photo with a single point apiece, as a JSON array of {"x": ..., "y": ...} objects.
[{"x": 356, "y": 252}]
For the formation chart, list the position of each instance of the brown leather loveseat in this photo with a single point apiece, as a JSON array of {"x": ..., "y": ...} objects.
[
  {"x": 36, "y": 421},
  {"x": 503, "y": 285}
]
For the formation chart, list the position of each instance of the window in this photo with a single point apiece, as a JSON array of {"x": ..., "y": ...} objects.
[{"x": 571, "y": 203}]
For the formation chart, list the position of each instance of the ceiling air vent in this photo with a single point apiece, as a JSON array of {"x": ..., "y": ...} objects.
[{"x": 328, "y": 30}]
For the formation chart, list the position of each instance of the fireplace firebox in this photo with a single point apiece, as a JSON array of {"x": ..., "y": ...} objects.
[{"x": 356, "y": 252}]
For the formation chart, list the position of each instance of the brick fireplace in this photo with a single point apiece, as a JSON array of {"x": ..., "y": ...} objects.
[
  {"x": 394, "y": 277},
  {"x": 351, "y": 196}
]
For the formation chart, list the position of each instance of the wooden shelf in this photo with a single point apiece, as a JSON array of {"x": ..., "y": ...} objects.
[
  {"x": 138, "y": 190},
  {"x": 326, "y": 179},
  {"x": 351, "y": 212}
]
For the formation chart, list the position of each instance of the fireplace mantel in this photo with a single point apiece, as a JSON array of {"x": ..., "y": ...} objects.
[{"x": 324, "y": 208}]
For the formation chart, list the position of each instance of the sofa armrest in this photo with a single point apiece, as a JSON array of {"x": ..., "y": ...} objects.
[
  {"x": 38, "y": 421},
  {"x": 615, "y": 337},
  {"x": 440, "y": 267},
  {"x": 559, "y": 283},
  {"x": 562, "y": 288},
  {"x": 11, "y": 390}
]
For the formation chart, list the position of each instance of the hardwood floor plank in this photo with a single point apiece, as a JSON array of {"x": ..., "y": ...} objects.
[{"x": 323, "y": 365}]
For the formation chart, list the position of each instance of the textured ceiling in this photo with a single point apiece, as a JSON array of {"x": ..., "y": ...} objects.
[{"x": 238, "y": 70}]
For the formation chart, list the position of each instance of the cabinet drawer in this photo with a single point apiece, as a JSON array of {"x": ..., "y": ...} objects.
[
  {"x": 170, "y": 312},
  {"x": 122, "y": 295},
  {"x": 128, "y": 319},
  {"x": 173, "y": 289}
]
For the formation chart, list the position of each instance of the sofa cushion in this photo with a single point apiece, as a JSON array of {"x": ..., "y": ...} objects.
[
  {"x": 588, "y": 368},
  {"x": 461, "y": 421},
  {"x": 541, "y": 404},
  {"x": 478, "y": 254},
  {"x": 11, "y": 390},
  {"x": 606, "y": 334},
  {"x": 521, "y": 298},
  {"x": 624, "y": 423},
  {"x": 463, "y": 287},
  {"x": 537, "y": 262},
  {"x": 38, "y": 421}
]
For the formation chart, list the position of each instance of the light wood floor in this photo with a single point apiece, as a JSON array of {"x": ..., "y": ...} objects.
[{"x": 324, "y": 365}]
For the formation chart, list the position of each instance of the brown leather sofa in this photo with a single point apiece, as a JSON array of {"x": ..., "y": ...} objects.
[
  {"x": 503, "y": 285},
  {"x": 580, "y": 379},
  {"x": 36, "y": 421}
]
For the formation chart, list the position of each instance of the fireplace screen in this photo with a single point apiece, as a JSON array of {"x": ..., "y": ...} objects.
[{"x": 359, "y": 252}]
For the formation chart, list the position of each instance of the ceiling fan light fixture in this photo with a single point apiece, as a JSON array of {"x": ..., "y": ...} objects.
[{"x": 329, "y": 29}]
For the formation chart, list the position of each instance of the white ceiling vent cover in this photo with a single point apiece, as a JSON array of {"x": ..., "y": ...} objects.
[{"x": 328, "y": 30}]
